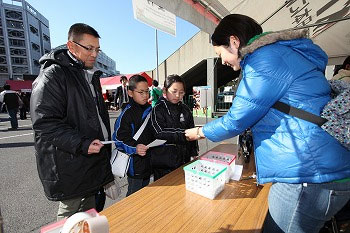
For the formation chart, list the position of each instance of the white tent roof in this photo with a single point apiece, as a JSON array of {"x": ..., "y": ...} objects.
[{"x": 275, "y": 15}]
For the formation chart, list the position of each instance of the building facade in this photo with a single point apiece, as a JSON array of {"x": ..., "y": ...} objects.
[
  {"x": 104, "y": 63},
  {"x": 24, "y": 38}
]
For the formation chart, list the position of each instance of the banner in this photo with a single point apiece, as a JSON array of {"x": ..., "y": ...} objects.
[{"x": 154, "y": 16}]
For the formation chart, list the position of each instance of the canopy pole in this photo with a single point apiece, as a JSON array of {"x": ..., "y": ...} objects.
[
  {"x": 276, "y": 11},
  {"x": 157, "y": 71}
]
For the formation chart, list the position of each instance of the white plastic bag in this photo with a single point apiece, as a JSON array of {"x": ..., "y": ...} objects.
[
  {"x": 120, "y": 163},
  {"x": 112, "y": 189}
]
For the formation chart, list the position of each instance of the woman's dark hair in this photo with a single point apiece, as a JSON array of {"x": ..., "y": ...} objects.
[
  {"x": 237, "y": 25},
  {"x": 155, "y": 83},
  {"x": 134, "y": 80},
  {"x": 346, "y": 62},
  {"x": 173, "y": 78},
  {"x": 337, "y": 68},
  {"x": 77, "y": 30}
]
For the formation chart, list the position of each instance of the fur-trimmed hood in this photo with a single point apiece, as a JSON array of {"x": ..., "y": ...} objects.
[{"x": 271, "y": 38}]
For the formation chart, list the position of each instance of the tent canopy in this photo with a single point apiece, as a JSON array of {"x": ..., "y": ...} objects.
[
  {"x": 111, "y": 83},
  {"x": 20, "y": 85},
  {"x": 328, "y": 21}
]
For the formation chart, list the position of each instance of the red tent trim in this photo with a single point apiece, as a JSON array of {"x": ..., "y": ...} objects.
[
  {"x": 18, "y": 85},
  {"x": 116, "y": 79}
]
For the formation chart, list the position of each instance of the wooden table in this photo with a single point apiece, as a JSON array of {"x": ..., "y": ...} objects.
[{"x": 166, "y": 206}]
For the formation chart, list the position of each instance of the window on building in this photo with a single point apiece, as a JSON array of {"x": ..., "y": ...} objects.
[
  {"x": 46, "y": 37},
  {"x": 31, "y": 10},
  {"x": 17, "y": 77},
  {"x": 14, "y": 24},
  {"x": 3, "y": 60},
  {"x": 17, "y": 43},
  {"x": 2, "y": 42},
  {"x": 13, "y": 14},
  {"x": 19, "y": 60},
  {"x": 1, "y": 33},
  {"x": 15, "y": 33},
  {"x": 34, "y": 30},
  {"x": 15, "y": 3},
  {"x": 18, "y": 52},
  {"x": 2, "y": 50},
  {"x": 20, "y": 69},
  {"x": 36, "y": 63},
  {"x": 3, "y": 69},
  {"x": 36, "y": 47}
]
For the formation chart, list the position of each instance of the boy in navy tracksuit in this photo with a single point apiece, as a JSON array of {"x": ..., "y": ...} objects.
[{"x": 127, "y": 124}]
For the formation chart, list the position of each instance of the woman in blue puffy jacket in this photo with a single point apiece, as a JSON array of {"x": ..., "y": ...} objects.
[{"x": 309, "y": 169}]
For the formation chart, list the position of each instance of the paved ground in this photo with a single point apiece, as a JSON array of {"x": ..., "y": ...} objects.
[{"x": 23, "y": 204}]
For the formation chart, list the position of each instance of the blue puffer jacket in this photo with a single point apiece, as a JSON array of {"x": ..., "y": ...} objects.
[{"x": 287, "y": 149}]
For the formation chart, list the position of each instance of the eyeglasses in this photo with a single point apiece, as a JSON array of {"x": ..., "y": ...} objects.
[
  {"x": 180, "y": 93},
  {"x": 90, "y": 49},
  {"x": 142, "y": 92}
]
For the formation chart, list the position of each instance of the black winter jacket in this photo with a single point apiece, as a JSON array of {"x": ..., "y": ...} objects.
[
  {"x": 169, "y": 122},
  {"x": 65, "y": 122},
  {"x": 11, "y": 99},
  {"x": 125, "y": 127}
]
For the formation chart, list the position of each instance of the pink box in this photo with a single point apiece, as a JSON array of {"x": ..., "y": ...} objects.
[
  {"x": 222, "y": 158},
  {"x": 56, "y": 227}
]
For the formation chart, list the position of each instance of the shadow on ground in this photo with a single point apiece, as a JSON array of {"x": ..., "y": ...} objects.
[{"x": 16, "y": 144}]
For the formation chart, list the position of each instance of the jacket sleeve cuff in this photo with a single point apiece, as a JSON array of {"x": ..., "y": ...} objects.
[{"x": 85, "y": 146}]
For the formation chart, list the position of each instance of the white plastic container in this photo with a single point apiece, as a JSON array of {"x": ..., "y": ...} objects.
[
  {"x": 205, "y": 178},
  {"x": 225, "y": 159}
]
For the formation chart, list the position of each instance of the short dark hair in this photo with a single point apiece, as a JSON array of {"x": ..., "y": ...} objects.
[
  {"x": 134, "y": 80},
  {"x": 173, "y": 78},
  {"x": 155, "y": 83},
  {"x": 123, "y": 78},
  {"x": 237, "y": 25},
  {"x": 77, "y": 30},
  {"x": 346, "y": 62},
  {"x": 343, "y": 66},
  {"x": 7, "y": 87}
]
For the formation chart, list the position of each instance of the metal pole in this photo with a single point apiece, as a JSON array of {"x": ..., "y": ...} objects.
[
  {"x": 157, "y": 71},
  {"x": 1, "y": 224}
]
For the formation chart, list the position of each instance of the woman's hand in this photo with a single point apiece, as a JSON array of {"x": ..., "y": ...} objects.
[{"x": 194, "y": 134}]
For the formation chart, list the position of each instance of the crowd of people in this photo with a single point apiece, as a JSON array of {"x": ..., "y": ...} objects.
[
  {"x": 70, "y": 122},
  {"x": 309, "y": 169}
]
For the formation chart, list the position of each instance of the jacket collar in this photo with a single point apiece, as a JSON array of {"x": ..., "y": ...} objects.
[{"x": 270, "y": 38}]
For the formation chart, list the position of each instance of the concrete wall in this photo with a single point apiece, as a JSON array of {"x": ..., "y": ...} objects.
[{"x": 191, "y": 53}]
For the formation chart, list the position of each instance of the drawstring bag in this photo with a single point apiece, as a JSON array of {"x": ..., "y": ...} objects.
[
  {"x": 337, "y": 113},
  {"x": 335, "y": 116}
]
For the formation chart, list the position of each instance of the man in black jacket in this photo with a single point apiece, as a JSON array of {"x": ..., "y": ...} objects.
[
  {"x": 11, "y": 99},
  {"x": 121, "y": 95},
  {"x": 70, "y": 120}
]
